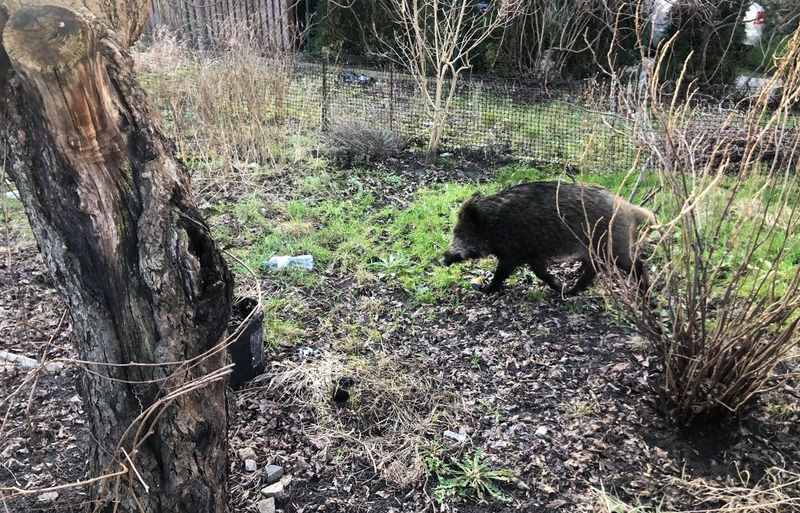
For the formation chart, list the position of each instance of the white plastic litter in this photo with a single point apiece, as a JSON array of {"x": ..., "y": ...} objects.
[
  {"x": 458, "y": 437},
  {"x": 284, "y": 262},
  {"x": 28, "y": 363}
]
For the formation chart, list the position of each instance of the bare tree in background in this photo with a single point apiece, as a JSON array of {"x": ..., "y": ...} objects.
[
  {"x": 130, "y": 253},
  {"x": 435, "y": 39}
]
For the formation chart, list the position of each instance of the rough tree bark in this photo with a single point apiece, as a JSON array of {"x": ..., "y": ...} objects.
[{"x": 131, "y": 255}]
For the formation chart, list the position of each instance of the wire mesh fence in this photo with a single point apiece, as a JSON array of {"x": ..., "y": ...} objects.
[
  {"x": 576, "y": 123},
  {"x": 565, "y": 124}
]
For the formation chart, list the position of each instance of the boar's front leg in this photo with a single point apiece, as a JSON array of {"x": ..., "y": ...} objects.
[
  {"x": 588, "y": 273},
  {"x": 503, "y": 271},
  {"x": 540, "y": 270}
]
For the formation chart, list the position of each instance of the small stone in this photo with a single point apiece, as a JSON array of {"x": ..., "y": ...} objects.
[
  {"x": 250, "y": 465},
  {"x": 273, "y": 490},
  {"x": 541, "y": 431},
  {"x": 54, "y": 368},
  {"x": 247, "y": 453},
  {"x": 266, "y": 506},
  {"x": 273, "y": 472},
  {"x": 48, "y": 497},
  {"x": 520, "y": 483}
]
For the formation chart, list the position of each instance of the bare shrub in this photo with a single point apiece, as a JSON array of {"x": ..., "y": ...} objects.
[
  {"x": 359, "y": 142},
  {"x": 724, "y": 303},
  {"x": 436, "y": 41}
]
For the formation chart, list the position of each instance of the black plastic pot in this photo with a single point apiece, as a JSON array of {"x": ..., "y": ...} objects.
[{"x": 247, "y": 351}]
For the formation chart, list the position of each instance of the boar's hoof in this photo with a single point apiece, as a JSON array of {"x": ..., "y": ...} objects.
[{"x": 492, "y": 288}]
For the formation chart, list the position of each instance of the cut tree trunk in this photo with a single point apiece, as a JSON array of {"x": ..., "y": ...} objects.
[{"x": 129, "y": 252}]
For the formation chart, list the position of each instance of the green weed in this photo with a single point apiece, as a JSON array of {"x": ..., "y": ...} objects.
[{"x": 472, "y": 477}]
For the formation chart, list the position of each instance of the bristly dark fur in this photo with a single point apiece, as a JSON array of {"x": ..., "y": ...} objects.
[{"x": 537, "y": 222}]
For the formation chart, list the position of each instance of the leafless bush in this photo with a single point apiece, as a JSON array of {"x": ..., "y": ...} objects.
[
  {"x": 435, "y": 41},
  {"x": 359, "y": 142},
  {"x": 725, "y": 297}
]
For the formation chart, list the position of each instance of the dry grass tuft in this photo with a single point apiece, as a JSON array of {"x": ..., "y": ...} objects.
[
  {"x": 394, "y": 410},
  {"x": 777, "y": 492},
  {"x": 166, "y": 53},
  {"x": 358, "y": 142},
  {"x": 227, "y": 112}
]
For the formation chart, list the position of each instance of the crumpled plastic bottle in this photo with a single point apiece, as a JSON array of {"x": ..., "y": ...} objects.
[{"x": 284, "y": 262}]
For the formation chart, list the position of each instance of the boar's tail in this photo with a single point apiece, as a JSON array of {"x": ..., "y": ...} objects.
[{"x": 642, "y": 214}]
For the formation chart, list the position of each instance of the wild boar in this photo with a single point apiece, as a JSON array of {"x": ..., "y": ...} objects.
[{"x": 536, "y": 223}]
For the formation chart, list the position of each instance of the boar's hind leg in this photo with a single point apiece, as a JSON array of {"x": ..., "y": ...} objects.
[
  {"x": 503, "y": 271},
  {"x": 586, "y": 278},
  {"x": 636, "y": 269},
  {"x": 540, "y": 270}
]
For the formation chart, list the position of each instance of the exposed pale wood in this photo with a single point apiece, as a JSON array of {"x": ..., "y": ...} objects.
[{"x": 127, "y": 17}]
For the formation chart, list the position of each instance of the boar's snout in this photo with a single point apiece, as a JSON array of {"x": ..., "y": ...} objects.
[{"x": 450, "y": 258}]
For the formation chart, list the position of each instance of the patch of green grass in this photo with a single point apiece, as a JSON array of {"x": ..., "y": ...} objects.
[
  {"x": 388, "y": 243},
  {"x": 333, "y": 231},
  {"x": 515, "y": 174},
  {"x": 779, "y": 410},
  {"x": 421, "y": 233},
  {"x": 341, "y": 225},
  {"x": 278, "y": 324},
  {"x": 318, "y": 183},
  {"x": 489, "y": 409},
  {"x": 18, "y": 226},
  {"x": 537, "y": 294}
]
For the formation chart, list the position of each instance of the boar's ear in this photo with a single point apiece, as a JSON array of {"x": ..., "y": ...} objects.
[{"x": 470, "y": 212}]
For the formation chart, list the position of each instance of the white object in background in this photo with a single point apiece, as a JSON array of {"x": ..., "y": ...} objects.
[
  {"x": 660, "y": 11},
  {"x": 659, "y": 17},
  {"x": 753, "y": 24},
  {"x": 284, "y": 262}
]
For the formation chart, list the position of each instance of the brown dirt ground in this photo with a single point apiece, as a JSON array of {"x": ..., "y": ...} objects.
[{"x": 550, "y": 389}]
